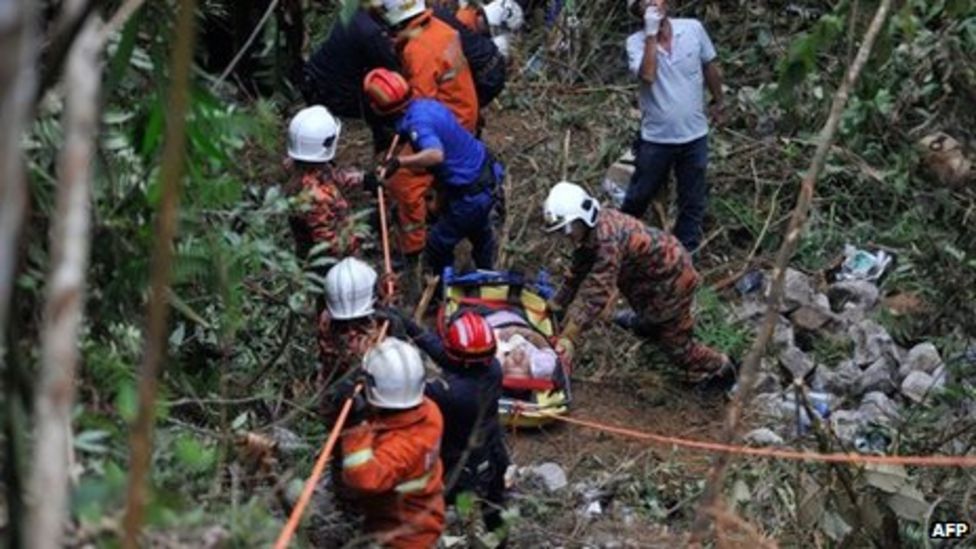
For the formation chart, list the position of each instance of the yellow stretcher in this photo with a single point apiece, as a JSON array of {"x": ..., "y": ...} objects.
[{"x": 509, "y": 299}]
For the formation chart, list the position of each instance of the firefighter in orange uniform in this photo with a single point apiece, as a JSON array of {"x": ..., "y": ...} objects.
[
  {"x": 434, "y": 64},
  {"x": 391, "y": 462}
]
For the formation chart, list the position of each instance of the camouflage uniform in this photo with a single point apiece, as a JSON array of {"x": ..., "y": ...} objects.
[
  {"x": 322, "y": 213},
  {"x": 654, "y": 272}
]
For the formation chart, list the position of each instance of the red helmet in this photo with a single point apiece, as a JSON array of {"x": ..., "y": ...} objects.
[
  {"x": 470, "y": 339},
  {"x": 387, "y": 90}
]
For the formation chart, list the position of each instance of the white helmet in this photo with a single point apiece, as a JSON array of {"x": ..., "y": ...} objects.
[
  {"x": 566, "y": 203},
  {"x": 395, "y": 373},
  {"x": 503, "y": 43},
  {"x": 313, "y": 135},
  {"x": 349, "y": 289},
  {"x": 398, "y": 11},
  {"x": 504, "y": 13}
]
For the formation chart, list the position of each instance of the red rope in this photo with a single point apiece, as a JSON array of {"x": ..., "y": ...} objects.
[
  {"x": 284, "y": 538},
  {"x": 795, "y": 455}
]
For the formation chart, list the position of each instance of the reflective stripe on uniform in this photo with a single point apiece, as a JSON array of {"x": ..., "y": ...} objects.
[
  {"x": 357, "y": 458},
  {"x": 414, "y": 485}
]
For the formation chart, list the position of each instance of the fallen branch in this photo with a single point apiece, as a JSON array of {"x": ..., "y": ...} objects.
[
  {"x": 140, "y": 439},
  {"x": 48, "y": 484},
  {"x": 750, "y": 367}
]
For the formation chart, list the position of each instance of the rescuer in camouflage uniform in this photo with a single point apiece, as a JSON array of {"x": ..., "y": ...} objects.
[{"x": 649, "y": 267}]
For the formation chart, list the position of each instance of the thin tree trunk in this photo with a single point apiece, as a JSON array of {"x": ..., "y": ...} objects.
[
  {"x": 48, "y": 483},
  {"x": 171, "y": 176},
  {"x": 750, "y": 367},
  {"x": 18, "y": 82}
]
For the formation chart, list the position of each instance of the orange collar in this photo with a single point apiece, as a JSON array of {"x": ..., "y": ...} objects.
[{"x": 405, "y": 418}]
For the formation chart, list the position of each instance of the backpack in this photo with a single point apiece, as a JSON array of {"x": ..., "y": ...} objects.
[{"x": 488, "y": 66}]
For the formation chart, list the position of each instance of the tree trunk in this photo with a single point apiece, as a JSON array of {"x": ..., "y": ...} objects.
[
  {"x": 18, "y": 82},
  {"x": 48, "y": 484}
]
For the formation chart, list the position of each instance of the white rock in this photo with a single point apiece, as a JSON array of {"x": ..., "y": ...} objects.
[
  {"x": 783, "y": 335},
  {"x": 923, "y": 357},
  {"x": 797, "y": 290},
  {"x": 879, "y": 376},
  {"x": 796, "y": 362},
  {"x": 551, "y": 474},
  {"x": 919, "y": 386},
  {"x": 846, "y": 424},
  {"x": 763, "y": 437},
  {"x": 878, "y": 408},
  {"x": 871, "y": 342}
]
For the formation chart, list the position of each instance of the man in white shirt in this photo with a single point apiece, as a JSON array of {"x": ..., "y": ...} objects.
[{"x": 674, "y": 59}]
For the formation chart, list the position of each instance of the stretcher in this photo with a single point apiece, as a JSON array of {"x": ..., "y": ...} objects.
[{"x": 505, "y": 300}]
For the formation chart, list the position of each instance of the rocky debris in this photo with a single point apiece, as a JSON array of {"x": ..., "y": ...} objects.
[
  {"x": 923, "y": 357},
  {"x": 766, "y": 382},
  {"x": 879, "y": 376},
  {"x": 797, "y": 291},
  {"x": 551, "y": 475},
  {"x": 796, "y": 362},
  {"x": 843, "y": 379},
  {"x": 810, "y": 319},
  {"x": 871, "y": 343},
  {"x": 783, "y": 335},
  {"x": 763, "y": 437},
  {"x": 853, "y": 296},
  {"x": 919, "y": 386},
  {"x": 847, "y": 425},
  {"x": 876, "y": 407}
]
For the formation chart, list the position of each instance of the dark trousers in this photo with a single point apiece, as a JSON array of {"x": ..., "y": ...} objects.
[
  {"x": 654, "y": 162},
  {"x": 464, "y": 217}
]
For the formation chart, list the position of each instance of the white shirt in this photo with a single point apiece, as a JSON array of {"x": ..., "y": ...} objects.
[{"x": 673, "y": 107}]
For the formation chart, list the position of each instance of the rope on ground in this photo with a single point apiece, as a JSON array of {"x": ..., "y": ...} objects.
[
  {"x": 284, "y": 538},
  {"x": 793, "y": 455}
]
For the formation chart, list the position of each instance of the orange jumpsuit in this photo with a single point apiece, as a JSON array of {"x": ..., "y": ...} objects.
[
  {"x": 434, "y": 65},
  {"x": 392, "y": 467}
]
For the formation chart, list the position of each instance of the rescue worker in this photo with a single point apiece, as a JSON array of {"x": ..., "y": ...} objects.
[
  {"x": 433, "y": 61},
  {"x": 322, "y": 214},
  {"x": 351, "y": 320},
  {"x": 391, "y": 450},
  {"x": 473, "y": 449},
  {"x": 498, "y": 19},
  {"x": 432, "y": 58},
  {"x": 651, "y": 269},
  {"x": 333, "y": 75},
  {"x": 468, "y": 177},
  {"x": 489, "y": 67}
]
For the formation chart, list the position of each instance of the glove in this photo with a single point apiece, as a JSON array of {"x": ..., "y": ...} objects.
[
  {"x": 358, "y": 412},
  {"x": 388, "y": 168},
  {"x": 389, "y": 288},
  {"x": 371, "y": 183},
  {"x": 502, "y": 42},
  {"x": 652, "y": 20}
]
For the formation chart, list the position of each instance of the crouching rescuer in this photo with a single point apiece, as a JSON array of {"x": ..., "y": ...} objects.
[
  {"x": 649, "y": 267},
  {"x": 473, "y": 450},
  {"x": 391, "y": 462},
  {"x": 468, "y": 178}
]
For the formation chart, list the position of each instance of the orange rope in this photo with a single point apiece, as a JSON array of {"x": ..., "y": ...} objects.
[
  {"x": 296, "y": 514},
  {"x": 716, "y": 447}
]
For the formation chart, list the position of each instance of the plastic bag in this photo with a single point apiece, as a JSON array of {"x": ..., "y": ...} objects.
[{"x": 863, "y": 265}]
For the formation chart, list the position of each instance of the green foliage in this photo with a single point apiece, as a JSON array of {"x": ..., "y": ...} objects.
[{"x": 714, "y": 327}]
